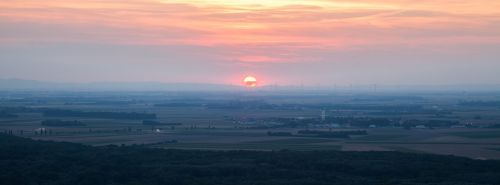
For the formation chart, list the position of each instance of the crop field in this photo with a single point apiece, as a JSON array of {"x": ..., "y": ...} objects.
[{"x": 237, "y": 122}]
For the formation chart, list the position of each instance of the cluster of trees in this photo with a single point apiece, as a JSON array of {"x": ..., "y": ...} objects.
[
  {"x": 61, "y": 123},
  {"x": 260, "y": 104},
  {"x": 360, "y": 107},
  {"x": 107, "y": 115},
  {"x": 237, "y": 104},
  {"x": 26, "y": 161},
  {"x": 15, "y": 110},
  {"x": 387, "y": 98},
  {"x": 332, "y": 134},
  {"x": 157, "y": 123},
  {"x": 320, "y": 133},
  {"x": 367, "y": 122},
  {"x": 494, "y": 126},
  {"x": 178, "y": 104},
  {"x": 283, "y": 122},
  {"x": 481, "y": 103},
  {"x": 4, "y": 114},
  {"x": 428, "y": 123},
  {"x": 103, "y": 102},
  {"x": 269, "y": 133},
  {"x": 406, "y": 112},
  {"x": 359, "y": 122},
  {"x": 362, "y": 122},
  {"x": 165, "y": 142}
]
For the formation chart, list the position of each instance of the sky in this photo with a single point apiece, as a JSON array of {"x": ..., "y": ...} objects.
[{"x": 284, "y": 42}]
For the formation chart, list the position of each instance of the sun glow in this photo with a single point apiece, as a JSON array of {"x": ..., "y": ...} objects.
[{"x": 250, "y": 81}]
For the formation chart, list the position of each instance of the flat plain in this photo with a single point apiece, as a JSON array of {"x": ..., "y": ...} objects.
[{"x": 246, "y": 121}]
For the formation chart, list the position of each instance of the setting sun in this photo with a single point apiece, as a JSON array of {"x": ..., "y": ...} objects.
[
  {"x": 250, "y": 81},
  {"x": 380, "y": 91}
]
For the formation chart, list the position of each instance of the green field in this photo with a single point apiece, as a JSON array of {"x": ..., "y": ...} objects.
[
  {"x": 478, "y": 134},
  {"x": 205, "y": 128}
]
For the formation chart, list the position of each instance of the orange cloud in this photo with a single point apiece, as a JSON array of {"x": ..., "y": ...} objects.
[
  {"x": 258, "y": 59},
  {"x": 286, "y": 26}
]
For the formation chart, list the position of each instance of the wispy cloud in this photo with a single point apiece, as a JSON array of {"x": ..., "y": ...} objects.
[{"x": 241, "y": 22}]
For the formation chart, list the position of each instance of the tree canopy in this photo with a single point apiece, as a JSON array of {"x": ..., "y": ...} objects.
[{"x": 25, "y": 161}]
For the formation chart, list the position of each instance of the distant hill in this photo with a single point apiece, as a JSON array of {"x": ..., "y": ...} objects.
[{"x": 20, "y": 84}]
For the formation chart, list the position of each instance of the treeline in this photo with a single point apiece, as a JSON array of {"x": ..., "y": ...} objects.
[
  {"x": 428, "y": 123},
  {"x": 61, "y": 123},
  {"x": 237, "y": 104},
  {"x": 494, "y": 126},
  {"x": 12, "y": 110},
  {"x": 45, "y": 163},
  {"x": 367, "y": 122},
  {"x": 177, "y": 105},
  {"x": 481, "y": 103},
  {"x": 4, "y": 114},
  {"x": 362, "y": 122},
  {"x": 359, "y": 122},
  {"x": 260, "y": 104},
  {"x": 320, "y": 133},
  {"x": 406, "y": 112},
  {"x": 157, "y": 123},
  {"x": 387, "y": 98},
  {"x": 106, "y": 115},
  {"x": 332, "y": 134},
  {"x": 269, "y": 133},
  {"x": 109, "y": 102}
]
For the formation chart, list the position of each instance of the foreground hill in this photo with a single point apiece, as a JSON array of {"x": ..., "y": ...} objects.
[{"x": 25, "y": 161}]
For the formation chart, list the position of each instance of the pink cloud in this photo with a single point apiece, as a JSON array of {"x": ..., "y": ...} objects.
[
  {"x": 261, "y": 59},
  {"x": 277, "y": 34}
]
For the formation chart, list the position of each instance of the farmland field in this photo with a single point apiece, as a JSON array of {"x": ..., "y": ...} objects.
[{"x": 421, "y": 123}]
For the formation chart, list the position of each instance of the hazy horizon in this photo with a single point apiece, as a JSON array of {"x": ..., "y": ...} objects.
[{"x": 35, "y": 85}]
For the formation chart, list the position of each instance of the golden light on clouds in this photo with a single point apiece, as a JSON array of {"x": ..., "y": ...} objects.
[
  {"x": 259, "y": 4},
  {"x": 261, "y": 28}
]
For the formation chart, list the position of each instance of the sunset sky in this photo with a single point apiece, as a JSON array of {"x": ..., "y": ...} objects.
[{"x": 318, "y": 42}]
